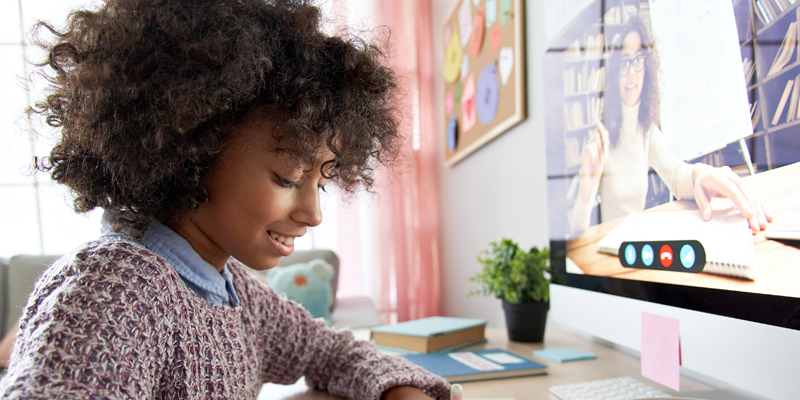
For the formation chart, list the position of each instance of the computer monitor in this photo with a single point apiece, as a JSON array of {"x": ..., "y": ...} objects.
[
  {"x": 717, "y": 84},
  {"x": 671, "y": 81}
]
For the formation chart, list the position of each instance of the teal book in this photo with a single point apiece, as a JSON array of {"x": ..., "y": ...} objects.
[
  {"x": 477, "y": 365},
  {"x": 430, "y": 334}
]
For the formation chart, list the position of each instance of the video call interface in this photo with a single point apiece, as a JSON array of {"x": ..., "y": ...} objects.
[{"x": 671, "y": 82}]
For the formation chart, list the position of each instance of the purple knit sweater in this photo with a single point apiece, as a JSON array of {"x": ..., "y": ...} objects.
[{"x": 114, "y": 320}]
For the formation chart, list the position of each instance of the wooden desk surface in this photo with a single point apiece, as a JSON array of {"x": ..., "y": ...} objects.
[
  {"x": 778, "y": 264},
  {"x": 610, "y": 363}
]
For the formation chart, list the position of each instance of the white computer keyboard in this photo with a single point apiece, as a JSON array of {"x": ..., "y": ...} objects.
[{"x": 607, "y": 389}]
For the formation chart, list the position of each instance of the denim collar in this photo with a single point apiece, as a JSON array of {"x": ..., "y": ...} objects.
[{"x": 199, "y": 275}]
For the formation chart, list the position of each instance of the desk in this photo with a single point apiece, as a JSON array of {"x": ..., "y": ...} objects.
[
  {"x": 610, "y": 363},
  {"x": 777, "y": 263}
]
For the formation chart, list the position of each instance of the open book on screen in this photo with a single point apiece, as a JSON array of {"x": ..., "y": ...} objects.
[{"x": 727, "y": 238}]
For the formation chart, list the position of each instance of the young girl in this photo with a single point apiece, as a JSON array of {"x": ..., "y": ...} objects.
[{"x": 206, "y": 130}]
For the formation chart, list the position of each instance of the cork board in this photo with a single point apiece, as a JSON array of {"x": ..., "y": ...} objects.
[{"x": 484, "y": 74}]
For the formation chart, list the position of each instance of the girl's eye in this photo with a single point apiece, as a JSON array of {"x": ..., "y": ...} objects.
[{"x": 287, "y": 183}]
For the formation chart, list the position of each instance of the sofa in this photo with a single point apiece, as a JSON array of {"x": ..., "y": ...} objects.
[{"x": 19, "y": 274}]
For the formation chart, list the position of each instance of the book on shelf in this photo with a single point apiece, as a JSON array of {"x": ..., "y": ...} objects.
[
  {"x": 430, "y": 334},
  {"x": 781, "y": 104},
  {"x": 749, "y": 68},
  {"x": 619, "y": 14},
  {"x": 791, "y": 115},
  {"x": 574, "y": 115},
  {"x": 573, "y": 51},
  {"x": 594, "y": 45},
  {"x": 572, "y": 152},
  {"x": 583, "y": 81},
  {"x": 790, "y": 98},
  {"x": 477, "y": 365},
  {"x": 755, "y": 113},
  {"x": 786, "y": 51}
]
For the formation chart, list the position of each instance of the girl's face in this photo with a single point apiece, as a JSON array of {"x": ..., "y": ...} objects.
[
  {"x": 632, "y": 57},
  {"x": 259, "y": 202}
]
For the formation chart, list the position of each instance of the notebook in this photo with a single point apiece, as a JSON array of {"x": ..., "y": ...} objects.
[
  {"x": 787, "y": 222},
  {"x": 477, "y": 365},
  {"x": 727, "y": 238}
]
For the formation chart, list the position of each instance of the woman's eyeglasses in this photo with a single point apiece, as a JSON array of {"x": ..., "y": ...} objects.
[{"x": 637, "y": 62}]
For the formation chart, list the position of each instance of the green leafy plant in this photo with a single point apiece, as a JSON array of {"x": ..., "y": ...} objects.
[{"x": 514, "y": 274}]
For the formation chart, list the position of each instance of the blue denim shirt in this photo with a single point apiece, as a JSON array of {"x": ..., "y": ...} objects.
[{"x": 199, "y": 275}]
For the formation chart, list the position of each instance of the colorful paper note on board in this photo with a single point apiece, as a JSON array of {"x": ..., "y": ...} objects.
[
  {"x": 464, "y": 66},
  {"x": 491, "y": 12},
  {"x": 459, "y": 91},
  {"x": 452, "y": 134},
  {"x": 487, "y": 94},
  {"x": 505, "y": 11},
  {"x": 476, "y": 41},
  {"x": 661, "y": 350},
  {"x": 448, "y": 103},
  {"x": 465, "y": 22},
  {"x": 506, "y": 63},
  {"x": 448, "y": 30},
  {"x": 495, "y": 38},
  {"x": 468, "y": 104},
  {"x": 452, "y": 59}
]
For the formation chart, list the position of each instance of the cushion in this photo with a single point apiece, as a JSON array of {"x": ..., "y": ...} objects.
[{"x": 306, "y": 283}]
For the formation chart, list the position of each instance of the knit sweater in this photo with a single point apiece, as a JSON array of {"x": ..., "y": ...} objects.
[{"x": 114, "y": 320}]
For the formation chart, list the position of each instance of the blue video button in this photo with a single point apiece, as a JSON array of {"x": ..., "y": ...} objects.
[
  {"x": 647, "y": 255},
  {"x": 630, "y": 254},
  {"x": 687, "y": 256}
]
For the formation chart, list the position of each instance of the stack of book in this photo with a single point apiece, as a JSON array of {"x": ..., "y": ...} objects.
[{"x": 435, "y": 334}]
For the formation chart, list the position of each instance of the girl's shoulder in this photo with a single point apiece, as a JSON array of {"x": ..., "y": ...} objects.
[{"x": 108, "y": 264}]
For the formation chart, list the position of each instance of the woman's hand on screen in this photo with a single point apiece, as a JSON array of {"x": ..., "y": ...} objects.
[
  {"x": 710, "y": 182},
  {"x": 593, "y": 159}
]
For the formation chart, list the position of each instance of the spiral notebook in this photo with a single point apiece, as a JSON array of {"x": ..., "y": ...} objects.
[{"x": 727, "y": 238}]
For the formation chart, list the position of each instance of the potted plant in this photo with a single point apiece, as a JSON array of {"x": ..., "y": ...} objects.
[{"x": 522, "y": 280}]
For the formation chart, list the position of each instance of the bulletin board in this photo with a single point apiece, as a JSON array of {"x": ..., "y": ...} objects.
[{"x": 484, "y": 73}]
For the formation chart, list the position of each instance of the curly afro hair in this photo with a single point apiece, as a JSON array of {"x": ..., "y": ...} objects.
[{"x": 146, "y": 92}]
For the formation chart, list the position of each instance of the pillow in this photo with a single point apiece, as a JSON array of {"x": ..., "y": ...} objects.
[{"x": 306, "y": 283}]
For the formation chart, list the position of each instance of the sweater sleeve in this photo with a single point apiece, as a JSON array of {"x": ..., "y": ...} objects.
[
  {"x": 677, "y": 175},
  {"x": 292, "y": 345},
  {"x": 89, "y": 330}
]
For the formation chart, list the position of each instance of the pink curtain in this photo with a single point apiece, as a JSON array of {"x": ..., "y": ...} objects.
[{"x": 408, "y": 196}]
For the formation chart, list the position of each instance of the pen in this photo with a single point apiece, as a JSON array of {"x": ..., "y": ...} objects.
[{"x": 456, "y": 392}]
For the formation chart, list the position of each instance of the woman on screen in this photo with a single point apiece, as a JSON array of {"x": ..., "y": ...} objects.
[{"x": 618, "y": 155}]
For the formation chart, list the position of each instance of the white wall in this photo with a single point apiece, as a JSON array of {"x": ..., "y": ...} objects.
[
  {"x": 497, "y": 191},
  {"x": 35, "y": 215},
  {"x": 500, "y": 191}
]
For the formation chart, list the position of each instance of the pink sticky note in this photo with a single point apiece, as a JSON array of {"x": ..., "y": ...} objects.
[
  {"x": 661, "y": 350},
  {"x": 448, "y": 103},
  {"x": 468, "y": 104},
  {"x": 495, "y": 38}
]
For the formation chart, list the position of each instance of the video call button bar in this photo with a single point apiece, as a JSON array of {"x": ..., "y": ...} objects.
[{"x": 668, "y": 255}]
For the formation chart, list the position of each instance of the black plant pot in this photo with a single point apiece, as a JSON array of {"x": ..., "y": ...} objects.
[{"x": 525, "y": 322}]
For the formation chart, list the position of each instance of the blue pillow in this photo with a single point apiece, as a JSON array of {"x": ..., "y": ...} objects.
[{"x": 306, "y": 283}]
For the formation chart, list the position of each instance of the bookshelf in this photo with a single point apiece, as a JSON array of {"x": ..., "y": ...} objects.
[{"x": 772, "y": 41}]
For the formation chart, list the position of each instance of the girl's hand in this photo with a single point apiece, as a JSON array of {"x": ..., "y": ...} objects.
[
  {"x": 405, "y": 393},
  {"x": 710, "y": 182},
  {"x": 592, "y": 161}
]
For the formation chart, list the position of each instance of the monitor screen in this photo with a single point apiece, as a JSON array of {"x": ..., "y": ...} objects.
[{"x": 638, "y": 95}]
